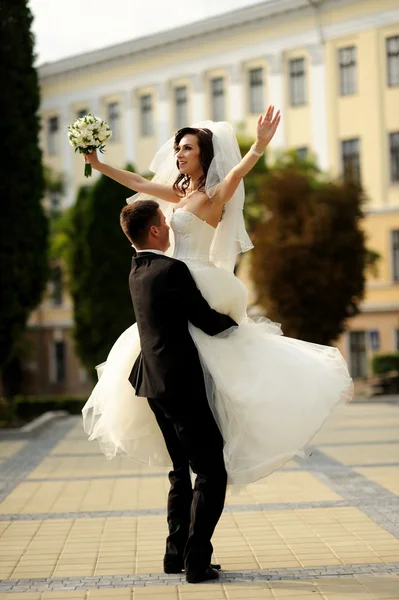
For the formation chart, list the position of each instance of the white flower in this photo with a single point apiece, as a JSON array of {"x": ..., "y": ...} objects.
[
  {"x": 73, "y": 138},
  {"x": 104, "y": 133},
  {"x": 88, "y": 131}
]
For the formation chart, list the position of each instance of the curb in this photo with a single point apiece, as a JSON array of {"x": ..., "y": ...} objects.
[
  {"x": 383, "y": 398},
  {"x": 33, "y": 428}
]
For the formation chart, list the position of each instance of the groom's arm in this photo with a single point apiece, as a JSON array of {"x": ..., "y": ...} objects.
[{"x": 192, "y": 302}]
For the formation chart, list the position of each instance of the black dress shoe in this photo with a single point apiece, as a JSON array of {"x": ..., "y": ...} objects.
[
  {"x": 198, "y": 576},
  {"x": 171, "y": 569}
]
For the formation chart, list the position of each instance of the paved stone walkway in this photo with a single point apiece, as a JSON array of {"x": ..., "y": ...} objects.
[{"x": 74, "y": 525}]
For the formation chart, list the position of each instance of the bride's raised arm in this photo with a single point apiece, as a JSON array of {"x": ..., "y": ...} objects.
[
  {"x": 133, "y": 181},
  {"x": 265, "y": 130}
]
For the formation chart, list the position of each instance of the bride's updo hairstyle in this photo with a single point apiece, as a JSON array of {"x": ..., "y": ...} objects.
[{"x": 204, "y": 137}]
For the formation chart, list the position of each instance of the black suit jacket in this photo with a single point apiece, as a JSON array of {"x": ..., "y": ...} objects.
[{"x": 165, "y": 297}]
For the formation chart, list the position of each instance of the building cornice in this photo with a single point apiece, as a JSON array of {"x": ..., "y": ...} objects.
[
  {"x": 380, "y": 307},
  {"x": 166, "y": 40},
  {"x": 381, "y": 210}
]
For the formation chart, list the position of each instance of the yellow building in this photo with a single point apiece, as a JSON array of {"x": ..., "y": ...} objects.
[{"x": 333, "y": 71}]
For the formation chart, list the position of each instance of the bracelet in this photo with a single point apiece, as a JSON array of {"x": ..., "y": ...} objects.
[{"x": 255, "y": 152}]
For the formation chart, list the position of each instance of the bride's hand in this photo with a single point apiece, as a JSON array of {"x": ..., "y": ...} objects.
[
  {"x": 92, "y": 158},
  {"x": 267, "y": 125}
]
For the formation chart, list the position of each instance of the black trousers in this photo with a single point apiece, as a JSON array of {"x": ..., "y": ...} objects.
[{"x": 193, "y": 440}]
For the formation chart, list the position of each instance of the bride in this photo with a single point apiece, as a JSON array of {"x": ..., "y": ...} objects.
[{"x": 269, "y": 394}]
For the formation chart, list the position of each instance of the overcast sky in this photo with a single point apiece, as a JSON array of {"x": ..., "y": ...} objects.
[{"x": 66, "y": 27}]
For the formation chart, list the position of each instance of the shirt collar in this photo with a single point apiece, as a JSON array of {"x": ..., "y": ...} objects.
[{"x": 150, "y": 250}]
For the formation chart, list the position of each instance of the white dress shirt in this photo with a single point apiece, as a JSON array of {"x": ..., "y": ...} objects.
[{"x": 150, "y": 250}]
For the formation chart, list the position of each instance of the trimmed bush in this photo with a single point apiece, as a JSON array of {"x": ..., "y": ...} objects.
[
  {"x": 22, "y": 409},
  {"x": 385, "y": 363},
  {"x": 32, "y": 406}
]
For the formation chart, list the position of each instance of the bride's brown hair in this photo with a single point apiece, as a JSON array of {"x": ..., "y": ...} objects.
[{"x": 204, "y": 137}]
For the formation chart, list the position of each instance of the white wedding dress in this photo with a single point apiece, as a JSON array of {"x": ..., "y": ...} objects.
[{"x": 270, "y": 394}]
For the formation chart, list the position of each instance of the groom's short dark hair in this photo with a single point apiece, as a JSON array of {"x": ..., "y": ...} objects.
[{"x": 137, "y": 218}]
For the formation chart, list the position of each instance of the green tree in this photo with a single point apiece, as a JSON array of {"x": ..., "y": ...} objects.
[
  {"x": 99, "y": 259},
  {"x": 310, "y": 257},
  {"x": 23, "y": 224}
]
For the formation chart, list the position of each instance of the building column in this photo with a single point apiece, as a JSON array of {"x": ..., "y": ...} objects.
[
  {"x": 276, "y": 96},
  {"x": 198, "y": 97},
  {"x": 163, "y": 120},
  {"x": 236, "y": 100},
  {"x": 129, "y": 132},
  {"x": 318, "y": 102}
]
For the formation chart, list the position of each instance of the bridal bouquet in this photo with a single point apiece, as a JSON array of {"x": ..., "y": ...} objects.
[{"x": 87, "y": 134}]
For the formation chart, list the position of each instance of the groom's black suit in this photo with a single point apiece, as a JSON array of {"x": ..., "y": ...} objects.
[{"x": 168, "y": 372}]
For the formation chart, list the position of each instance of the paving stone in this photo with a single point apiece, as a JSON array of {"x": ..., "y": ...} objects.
[
  {"x": 16, "y": 467},
  {"x": 356, "y": 491},
  {"x": 348, "y": 571}
]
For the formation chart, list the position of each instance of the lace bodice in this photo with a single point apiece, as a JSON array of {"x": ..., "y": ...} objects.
[{"x": 193, "y": 237}]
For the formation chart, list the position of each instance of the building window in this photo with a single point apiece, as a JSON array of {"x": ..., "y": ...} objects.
[
  {"x": 297, "y": 81},
  {"x": 181, "y": 107},
  {"x": 217, "y": 94},
  {"x": 358, "y": 354},
  {"x": 57, "y": 291},
  {"x": 394, "y": 156},
  {"x": 55, "y": 203},
  {"x": 82, "y": 113},
  {"x": 392, "y": 45},
  {"x": 350, "y": 152},
  {"x": 347, "y": 70},
  {"x": 146, "y": 115},
  {"x": 84, "y": 376},
  {"x": 302, "y": 153},
  {"x": 395, "y": 254},
  {"x": 52, "y": 136},
  {"x": 58, "y": 374},
  {"x": 114, "y": 121},
  {"x": 256, "y": 100}
]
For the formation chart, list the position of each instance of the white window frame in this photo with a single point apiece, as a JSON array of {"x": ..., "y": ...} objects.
[
  {"x": 146, "y": 115},
  {"x": 82, "y": 113},
  {"x": 302, "y": 152},
  {"x": 394, "y": 156},
  {"x": 54, "y": 367},
  {"x": 218, "y": 99},
  {"x": 256, "y": 100},
  {"x": 55, "y": 202},
  {"x": 114, "y": 120},
  {"x": 350, "y": 151},
  {"x": 347, "y": 63},
  {"x": 297, "y": 81},
  {"x": 361, "y": 369},
  {"x": 395, "y": 254},
  {"x": 53, "y": 135},
  {"x": 392, "y": 58},
  {"x": 181, "y": 106}
]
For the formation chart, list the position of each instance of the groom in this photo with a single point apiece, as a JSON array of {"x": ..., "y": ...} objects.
[{"x": 168, "y": 372}]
